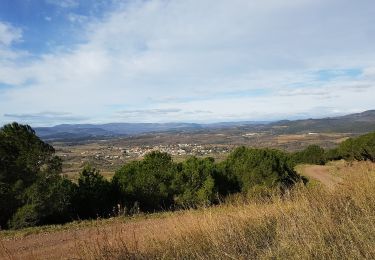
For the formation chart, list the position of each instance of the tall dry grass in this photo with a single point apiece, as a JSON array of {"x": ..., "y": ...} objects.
[{"x": 306, "y": 223}]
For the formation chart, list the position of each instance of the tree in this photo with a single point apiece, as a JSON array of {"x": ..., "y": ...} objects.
[
  {"x": 260, "y": 167},
  {"x": 147, "y": 182},
  {"x": 23, "y": 157},
  {"x": 313, "y": 154},
  {"x": 48, "y": 201},
  {"x": 94, "y": 195},
  {"x": 23, "y": 154},
  {"x": 360, "y": 148},
  {"x": 194, "y": 183}
]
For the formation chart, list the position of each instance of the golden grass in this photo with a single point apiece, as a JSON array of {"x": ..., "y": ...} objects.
[{"x": 308, "y": 222}]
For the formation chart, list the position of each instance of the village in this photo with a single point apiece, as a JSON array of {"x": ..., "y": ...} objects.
[{"x": 110, "y": 157}]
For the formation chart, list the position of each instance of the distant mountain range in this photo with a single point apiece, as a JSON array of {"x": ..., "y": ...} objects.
[{"x": 353, "y": 123}]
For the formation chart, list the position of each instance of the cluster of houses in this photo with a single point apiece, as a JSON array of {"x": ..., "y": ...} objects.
[{"x": 115, "y": 153}]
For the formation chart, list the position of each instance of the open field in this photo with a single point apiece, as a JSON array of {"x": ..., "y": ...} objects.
[{"x": 318, "y": 221}]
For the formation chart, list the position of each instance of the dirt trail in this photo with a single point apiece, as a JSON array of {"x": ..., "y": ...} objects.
[
  {"x": 66, "y": 244},
  {"x": 322, "y": 174}
]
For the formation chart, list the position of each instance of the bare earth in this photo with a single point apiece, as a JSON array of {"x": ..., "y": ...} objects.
[
  {"x": 322, "y": 174},
  {"x": 71, "y": 243}
]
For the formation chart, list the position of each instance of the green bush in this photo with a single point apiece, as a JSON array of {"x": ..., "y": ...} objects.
[
  {"x": 264, "y": 167},
  {"x": 361, "y": 148},
  {"x": 24, "y": 160},
  {"x": 313, "y": 154},
  {"x": 8, "y": 204},
  {"x": 25, "y": 216},
  {"x": 147, "y": 182},
  {"x": 94, "y": 197},
  {"x": 194, "y": 182}
]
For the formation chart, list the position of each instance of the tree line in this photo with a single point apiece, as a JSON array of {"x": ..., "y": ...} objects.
[
  {"x": 34, "y": 192},
  {"x": 361, "y": 148}
]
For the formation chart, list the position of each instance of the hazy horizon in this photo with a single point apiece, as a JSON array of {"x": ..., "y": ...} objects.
[{"x": 158, "y": 61}]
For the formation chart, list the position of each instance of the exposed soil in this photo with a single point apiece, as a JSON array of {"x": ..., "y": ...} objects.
[{"x": 322, "y": 174}]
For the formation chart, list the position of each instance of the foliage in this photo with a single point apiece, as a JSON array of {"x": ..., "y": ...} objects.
[
  {"x": 147, "y": 182},
  {"x": 24, "y": 158},
  {"x": 194, "y": 182},
  {"x": 94, "y": 195},
  {"x": 313, "y": 154},
  {"x": 23, "y": 154},
  {"x": 266, "y": 167},
  {"x": 25, "y": 216},
  {"x": 8, "y": 203},
  {"x": 361, "y": 148}
]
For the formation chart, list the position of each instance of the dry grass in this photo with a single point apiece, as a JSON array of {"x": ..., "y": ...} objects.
[{"x": 307, "y": 223}]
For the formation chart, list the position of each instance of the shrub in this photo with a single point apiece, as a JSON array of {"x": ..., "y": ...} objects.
[
  {"x": 361, "y": 148},
  {"x": 25, "y": 216},
  {"x": 264, "y": 167},
  {"x": 313, "y": 154},
  {"x": 94, "y": 197},
  {"x": 147, "y": 182},
  {"x": 194, "y": 182},
  {"x": 24, "y": 159}
]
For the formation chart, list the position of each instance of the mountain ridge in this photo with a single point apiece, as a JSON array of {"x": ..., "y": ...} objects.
[{"x": 353, "y": 123}]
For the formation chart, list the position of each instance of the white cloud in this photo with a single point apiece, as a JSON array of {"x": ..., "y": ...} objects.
[
  {"x": 9, "y": 34},
  {"x": 238, "y": 59},
  {"x": 46, "y": 117},
  {"x": 64, "y": 3}
]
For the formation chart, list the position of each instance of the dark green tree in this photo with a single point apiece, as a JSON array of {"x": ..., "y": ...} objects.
[
  {"x": 194, "y": 183},
  {"x": 313, "y": 154},
  {"x": 23, "y": 157},
  {"x": 260, "y": 167},
  {"x": 94, "y": 197},
  {"x": 360, "y": 148},
  {"x": 48, "y": 201},
  {"x": 147, "y": 182}
]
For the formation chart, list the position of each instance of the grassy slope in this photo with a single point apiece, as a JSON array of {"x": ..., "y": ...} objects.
[{"x": 311, "y": 222}]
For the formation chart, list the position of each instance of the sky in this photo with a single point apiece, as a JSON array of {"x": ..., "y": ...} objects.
[{"x": 100, "y": 61}]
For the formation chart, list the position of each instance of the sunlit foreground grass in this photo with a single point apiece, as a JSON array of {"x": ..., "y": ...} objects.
[{"x": 308, "y": 222}]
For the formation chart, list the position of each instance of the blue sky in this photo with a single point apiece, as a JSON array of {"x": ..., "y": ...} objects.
[{"x": 85, "y": 61}]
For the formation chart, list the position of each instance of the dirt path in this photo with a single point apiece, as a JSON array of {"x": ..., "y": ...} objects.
[
  {"x": 322, "y": 174},
  {"x": 71, "y": 243},
  {"x": 77, "y": 242}
]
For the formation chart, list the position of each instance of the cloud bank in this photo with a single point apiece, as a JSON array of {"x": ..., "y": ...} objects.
[{"x": 239, "y": 60}]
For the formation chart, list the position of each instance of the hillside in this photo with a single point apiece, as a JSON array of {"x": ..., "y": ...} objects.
[{"x": 310, "y": 222}]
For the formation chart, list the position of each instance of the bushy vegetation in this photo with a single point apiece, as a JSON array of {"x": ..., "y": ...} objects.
[
  {"x": 313, "y": 154},
  {"x": 361, "y": 148},
  {"x": 260, "y": 167},
  {"x": 33, "y": 191},
  {"x": 28, "y": 172}
]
